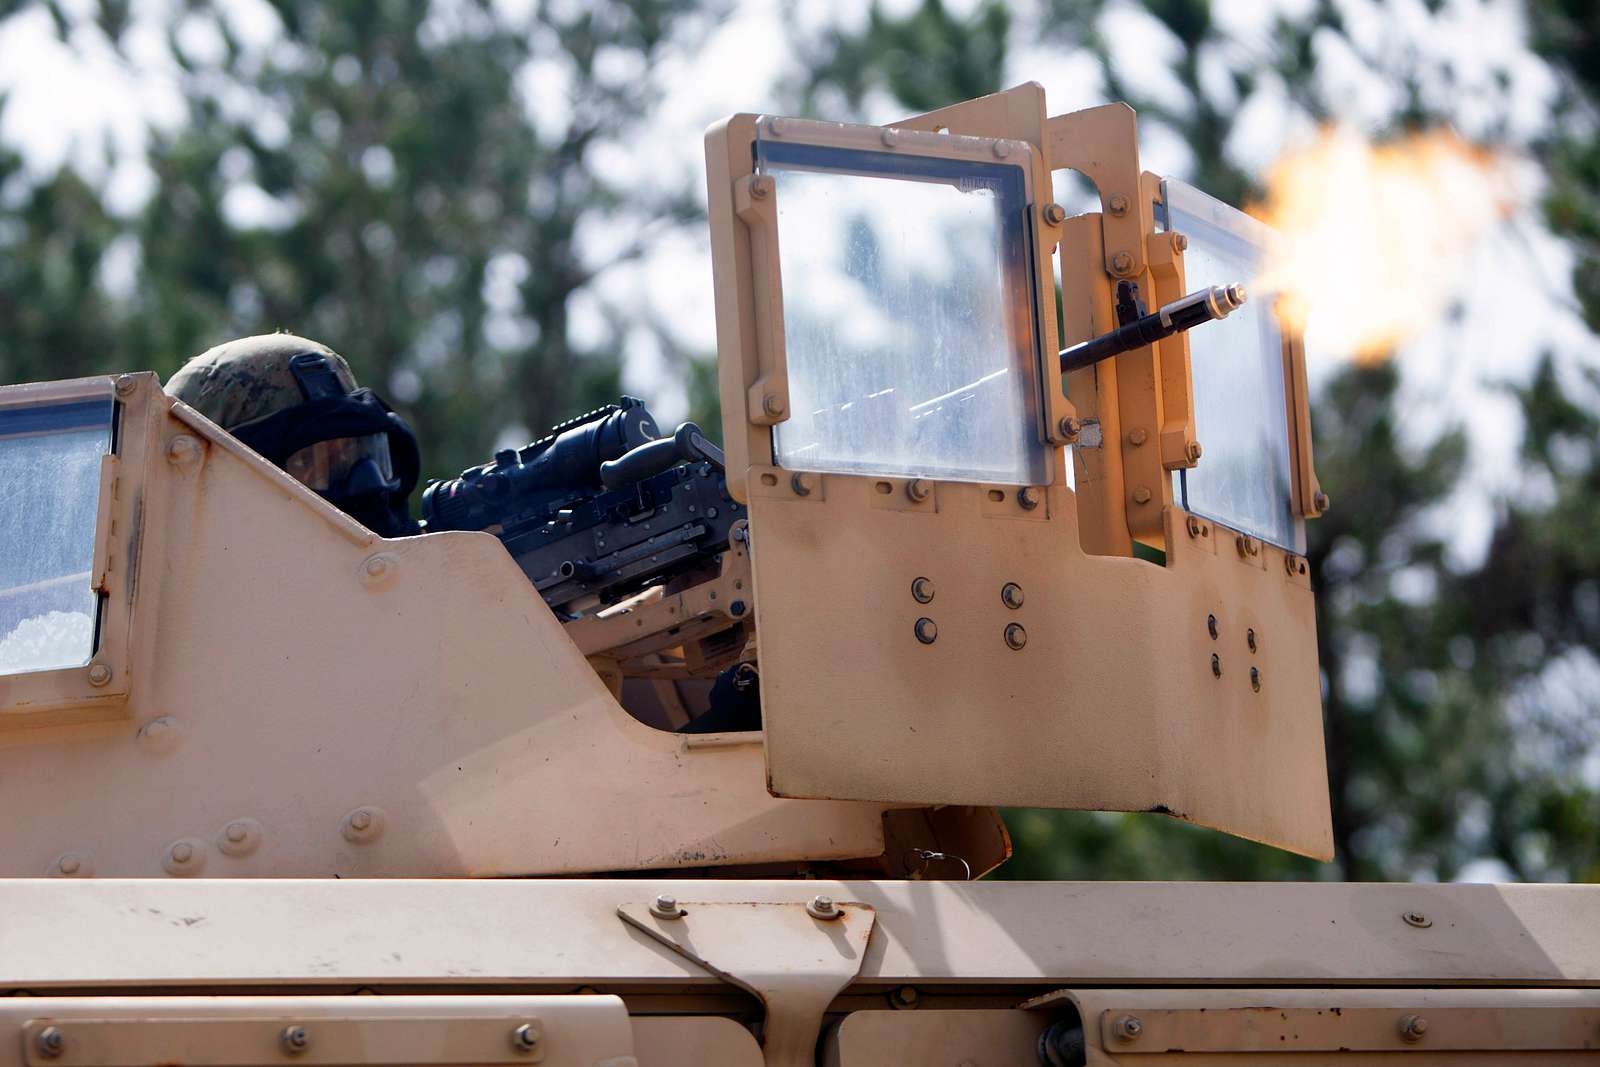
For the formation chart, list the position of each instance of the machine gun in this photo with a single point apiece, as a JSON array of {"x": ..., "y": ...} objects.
[{"x": 599, "y": 508}]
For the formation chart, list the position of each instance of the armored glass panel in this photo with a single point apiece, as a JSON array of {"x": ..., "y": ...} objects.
[
  {"x": 1240, "y": 413},
  {"x": 49, "y": 496},
  {"x": 908, "y": 315}
]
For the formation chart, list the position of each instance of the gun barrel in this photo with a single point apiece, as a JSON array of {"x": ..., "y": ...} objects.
[{"x": 1202, "y": 305}]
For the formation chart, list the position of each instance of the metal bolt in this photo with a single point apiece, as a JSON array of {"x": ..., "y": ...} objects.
[
  {"x": 182, "y": 450},
  {"x": 182, "y": 852},
  {"x": 1001, "y": 149},
  {"x": 1011, "y": 595},
  {"x": 736, "y": 608},
  {"x": 377, "y": 567},
  {"x": 922, "y": 590},
  {"x": 777, "y": 127},
  {"x": 740, "y": 534},
  {"x": 1216, "y": 665},
  {"x": 525, "y": 1038},
  {"x": 295, "y": 1039},
  {"x": 1016, "y": 636},
  {"x": 1141, "y": 495},
  {"x": 1070, "y": 427},
  {"x": 1321, "y": 501},
  {"x": 236, "y": 832},
  {"x": 125, "y": 385},
  {"x": 1255, "y": 679},
  {"x": 821, "y": 907},
  {"x": 890, "y": 138},
  {"x": 1180, "y": 242},
  {"x": 1122, "y": 263},
  {"x": 1138, "y": 436},
  {"x": 772, "y": 404},
  {"x": 51, "y": 1041},
  {"x": 1192, "y": 450},
  {"x": 99, "y": 675},
  {"x": 801, "y": 484},
  {"x": 1417, "y": 919},
  {"x": 927, "y": 630},
  {"x": 1250, "y": 638},
  {"x": 1211, "y": 626},
  {"x": 362, "y": 825},
  {"x": 361, "y": 819},
  {"x": 1118, "y": 205},
  {"x": 665, "y": 906},
  {"x": 1413, "y": 1027},
  {"x": 919, "y": 490},
  {"x": 1127, "y": 1027},
  {"x": 1029, "y": 496},
  {"x": 905, "y": 997},
  {"x": 760, "y": 187},
  {"x": 69, "y": 864},
  {"x": 1247, "y": 545},
  {"x": 1194, "y": 526},
  {"x": 1055, "y": 214}
]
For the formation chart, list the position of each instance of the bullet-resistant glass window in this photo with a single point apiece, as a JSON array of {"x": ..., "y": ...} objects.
[
  {"x": 908, "y": 315},
  {"x": 1240, "y": 412},
  {"x": 49, "y": 498}
]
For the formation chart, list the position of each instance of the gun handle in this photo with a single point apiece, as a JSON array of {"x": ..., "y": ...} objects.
[{"x": 687, "y": 445}]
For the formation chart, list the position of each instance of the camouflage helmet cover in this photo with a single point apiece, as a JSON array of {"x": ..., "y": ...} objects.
[{"x": 242, "y": 380}]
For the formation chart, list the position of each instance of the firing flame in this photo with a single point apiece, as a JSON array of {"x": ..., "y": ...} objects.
[{"x": 1373, "y": 240}]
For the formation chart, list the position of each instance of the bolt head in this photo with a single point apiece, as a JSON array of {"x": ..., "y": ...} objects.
[
  {"x": 760, "y": 187},
  {"x": 99, "y": 675},
  {"x": 1216, "y": 665},
  {"x": 926, "y": 630},
  {"x": 1138, "y": 436},
  {"x": 1413, "y": 1027},
  {"x": 1118, "y": 205},
  {"x": 377, "y": 567},
  {"x": 1141, "y": 495},
  {"x": 69, "y": 865},
  {"x": 1016, "y": 637},
  {"x": 800, "y": 483},
  {"x": 1255, "y": 679},
  {"x": 236, "y": 832},
  {"x": 51, "y": 1041},
  {"x": 1070, "y": 427},
  {"x": 125, "y": 385},
  {"x": 1180, "y": 242},
  {"x": 1193, "y": 451},
  {"x": 182, "y": 450},
  {"x": 295, "y": 1039},
  {"x": 1011, "y": 595},
  {"x": 1055, "y": 214},
  {"x": 772, "y": 404},
  {"x": 1417, "y": 919},
  {"x": 919, "y": 490},
  {"x": 1122, "y": 263},
  {"x": 890, "y": 138},
  {"x": 1322, "y": 501},
  {"x": 822, "y": 907},
  {"x": 525, "y": 1038},
  {"x": 922, "y": 590},
  {"x": 1128, "y": 1027},
  {"x": 1001, "y": 150},
  {"x": 1029, "y": 497},
  {"x": 665, "y": 906}
]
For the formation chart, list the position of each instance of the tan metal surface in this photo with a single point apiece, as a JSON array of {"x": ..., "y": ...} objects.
[
  {"x": 290, "y": 672},
  {"x": 665, "y": 1041},
  {"x": 1112, "y": 703},
  {"x": 108, "y": 934},
  {"x": 794, "y": 957},
  {"x": 567, "y": 1031},
  {"x": 1149, "y": 1027},
  {"x": 934, "y": 1038}
]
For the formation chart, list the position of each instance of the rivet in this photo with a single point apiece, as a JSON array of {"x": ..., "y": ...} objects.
[
  {"x": 239, "y": 837},
  {"x": 801, "y": 483},
  {"x": 927, "y": 630},
  {"x": 1413, "y": 1028},
  {"x": 377, "y": 567},
  {"x": 1001, "y": 149},
  {"x": 362, "y": 825},
  {"x": 1193, "y": 451},
  {"x": 1216, "y": 665},
  {"x": 772, "y": 404},
  {"x": 1138, "y": 436},
  {"x": 1122, "y": 263},
  {"x": 1118, "y": 205},
  {"x": 777, "y": 127},
  {"x": 1029, "y": 496},
  {"x": 922, "y": 590},
  {"x": 1180, "y": 242},
  {"x": 1417, "y": 919},
  {"x": 125, "y": 385},
  {"x": 1016, "y": 636},
  {"x": 665, "y": 906},
  {"x": 295, "y": 1039},
  {"x": 525, "y": 1038},
  {"x": 99, "y": 675},
  {"x": 760, "y": 187},
  {"x": 1141, "y": 495},
  {"x": 821, "y": 907},
  {"x": 905, "y": 997},
  {"x": 1011, "y": 595},
  {"x": 184, "y": 857},
  {"x": 1054, "y": 214},
  {"x": 1127, "y": 1027},
  {"x": 1194, "y": 526},
  {"x": 183, "y": 450},
  {"x": 1070, "y": 427},
  {"x": 1255, "y": 679},
  {"x": 72, "y": 865},
  {"x": 919, "y": 490},
  {"x": 890, "y": 138},
  {"x": 51, "y": 1042}
]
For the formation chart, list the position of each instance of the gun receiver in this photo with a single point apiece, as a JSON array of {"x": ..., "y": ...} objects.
[
  {"x": 600, "y": 508},
  {"x": 1186, "y": 312}
]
